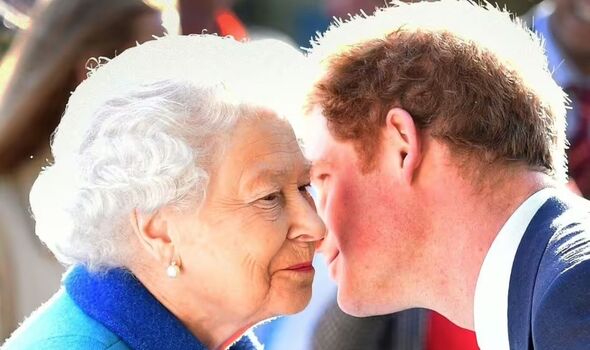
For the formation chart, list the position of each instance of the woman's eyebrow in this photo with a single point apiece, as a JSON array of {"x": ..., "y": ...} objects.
[
  {"x": 263, "y": 176},
  {"x": 272, "y": 175}
]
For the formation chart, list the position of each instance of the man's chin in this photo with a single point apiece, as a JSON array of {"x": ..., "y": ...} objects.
[
  {"x": 358, "y": 305},
  {"x": 353, "y": 304}
]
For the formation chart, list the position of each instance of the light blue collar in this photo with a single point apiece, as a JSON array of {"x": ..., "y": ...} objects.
[{"x": 122, "y": 304}]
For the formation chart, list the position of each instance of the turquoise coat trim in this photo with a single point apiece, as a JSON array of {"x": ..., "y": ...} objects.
[
  {"x": 110, "y": 310},
  {"x": 60, "y": 324}
]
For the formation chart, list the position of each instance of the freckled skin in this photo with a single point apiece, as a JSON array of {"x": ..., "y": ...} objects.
[{"x": 367, "y": 221}]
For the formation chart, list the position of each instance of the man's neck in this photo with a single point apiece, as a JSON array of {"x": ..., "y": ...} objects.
[{"x": 467, "y": 222}]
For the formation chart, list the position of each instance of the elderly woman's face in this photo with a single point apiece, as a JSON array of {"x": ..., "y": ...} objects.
[{"x": 248, "y": 249}]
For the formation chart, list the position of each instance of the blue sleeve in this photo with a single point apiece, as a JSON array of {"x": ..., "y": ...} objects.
[{"x": 561, "y": 318}]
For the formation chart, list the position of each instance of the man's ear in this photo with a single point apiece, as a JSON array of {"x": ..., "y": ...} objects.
[
  {"x": 152, "y": 233},
  {"x": 403, "y": 136}
]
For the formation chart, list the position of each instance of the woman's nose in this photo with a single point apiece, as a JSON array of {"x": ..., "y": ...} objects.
[{"x": 306, "y": 225}]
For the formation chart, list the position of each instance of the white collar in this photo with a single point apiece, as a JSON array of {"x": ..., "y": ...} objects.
[{"x": 491, "y": 291}]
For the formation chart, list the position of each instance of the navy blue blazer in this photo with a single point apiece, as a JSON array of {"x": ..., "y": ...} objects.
[
  {"x": 110, "y": 310},
  {"x": 549, "y": 293}
]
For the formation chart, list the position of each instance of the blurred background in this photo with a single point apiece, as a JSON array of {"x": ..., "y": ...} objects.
[
  {"x": 295, "y": 19},
  {"x": 45, "y": 50}
]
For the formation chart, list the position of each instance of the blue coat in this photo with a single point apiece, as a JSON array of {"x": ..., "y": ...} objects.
[
  {"x": 549, "y": 293},
  {"x": 111, "y": 311}
]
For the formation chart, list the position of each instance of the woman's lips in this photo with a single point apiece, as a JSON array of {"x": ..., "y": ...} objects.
[{"x": 303, "y": 267}]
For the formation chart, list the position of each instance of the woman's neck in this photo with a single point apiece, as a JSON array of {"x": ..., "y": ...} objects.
[{"x": 214, "y": 328}]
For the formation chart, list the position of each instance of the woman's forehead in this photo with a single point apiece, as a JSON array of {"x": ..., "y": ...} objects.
[
  {"x": 264, "y": 136},
  {"x": 264, "y": 150}
]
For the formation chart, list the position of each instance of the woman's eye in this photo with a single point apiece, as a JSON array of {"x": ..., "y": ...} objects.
[
  {"x": 305, "y": 189},
  {"x": 271, "y": 200},
  {"x": 273, "y": 197},
  {"x": 308, "y": 192}
]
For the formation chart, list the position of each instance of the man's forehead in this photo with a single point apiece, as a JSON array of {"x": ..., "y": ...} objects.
[{"x": 316, "y": 137}]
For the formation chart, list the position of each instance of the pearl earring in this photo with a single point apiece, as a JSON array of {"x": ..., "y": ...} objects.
[{"x": 173, "y": 270}]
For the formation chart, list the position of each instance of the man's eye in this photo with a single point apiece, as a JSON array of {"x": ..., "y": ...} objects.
[{"x": 319, "y": 179}]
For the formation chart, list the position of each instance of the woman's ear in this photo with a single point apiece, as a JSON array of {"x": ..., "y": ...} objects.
[
  {"x": 404, "y": 138},
  {"x": 152, "y": 233}
]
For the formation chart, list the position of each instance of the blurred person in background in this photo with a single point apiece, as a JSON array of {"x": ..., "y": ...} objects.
[
  {"x": 210, "y": 16},
  {"x": 45, "y": 63},
  {"x": 565, "y": 27},
  {"x": 344, "y": 8},
  {"x": 179, "y": 195}
]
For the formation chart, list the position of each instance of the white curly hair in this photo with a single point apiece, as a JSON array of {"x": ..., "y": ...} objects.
[{"x": 142, "y": 130}]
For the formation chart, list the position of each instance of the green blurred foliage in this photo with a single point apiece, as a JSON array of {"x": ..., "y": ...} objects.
[{"x": 5, "y": 40}]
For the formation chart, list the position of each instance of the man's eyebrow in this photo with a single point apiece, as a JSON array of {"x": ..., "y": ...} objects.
[
  {"x": 307, "y": 166},
  {"x": 322, "y": 162}
]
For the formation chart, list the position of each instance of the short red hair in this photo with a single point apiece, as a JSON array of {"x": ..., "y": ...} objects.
[{"x": 457, "y": 90}]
